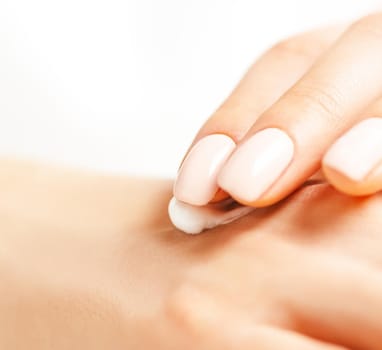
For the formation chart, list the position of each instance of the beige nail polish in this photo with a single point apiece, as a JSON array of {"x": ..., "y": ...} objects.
[
  {"x": 256, "y": 164},
  {"x": 196, "y": 183},
  {"x": 358, "y": 151}
]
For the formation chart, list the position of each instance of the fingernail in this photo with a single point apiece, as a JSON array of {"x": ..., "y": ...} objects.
[
  {"x": 357, "y": 152},
  {"x": 196, "y": 183},
  {"x": 256, "y": 164}
]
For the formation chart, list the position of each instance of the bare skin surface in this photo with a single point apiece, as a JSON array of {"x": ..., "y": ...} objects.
[{"x": 90, "y": 261}]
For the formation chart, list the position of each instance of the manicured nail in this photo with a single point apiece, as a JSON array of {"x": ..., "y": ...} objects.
[
  {"x": 196, "y": 183},
  {"x": 256, "y": 164},
  {"x": 357, "y": 152}
]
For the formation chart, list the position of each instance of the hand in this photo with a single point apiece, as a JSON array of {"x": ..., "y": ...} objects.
[
  {"x": 92, "y": 262},
  {"x": 313, "y": 100}
]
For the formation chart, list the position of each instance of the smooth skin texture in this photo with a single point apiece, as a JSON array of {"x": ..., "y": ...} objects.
[
  {"x": 91, "y": 261},
  {"x": 314, "y": 88}
]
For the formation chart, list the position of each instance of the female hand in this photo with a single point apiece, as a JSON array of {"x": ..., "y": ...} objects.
[
  {"x": 313, "y": 100},
  {"x": 92, "y": 262}
]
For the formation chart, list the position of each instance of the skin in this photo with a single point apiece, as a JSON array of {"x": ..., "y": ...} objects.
[
  {"x": 315, "y": 87},
  {"x": 91, "y": 261}
]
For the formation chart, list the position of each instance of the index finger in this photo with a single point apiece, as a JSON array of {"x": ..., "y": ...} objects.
[{"x": 263, "y": 84}]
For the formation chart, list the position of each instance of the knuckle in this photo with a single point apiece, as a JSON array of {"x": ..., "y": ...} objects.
[
  {"x": 370, "y": 25},
  {"x": 187, "y": 310},
  {"x": 322, "y": 100}
]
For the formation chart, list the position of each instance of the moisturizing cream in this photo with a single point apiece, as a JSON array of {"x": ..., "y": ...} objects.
[{"x": 194, "y": 219}]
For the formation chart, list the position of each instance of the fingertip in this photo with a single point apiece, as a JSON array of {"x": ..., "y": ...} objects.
[
  {"x": 353, "y": 164},
  {"x": 256, "y": 164},
  {"x": 368, "y": 186},
  {"x": 196, "y": 182},
  {"x": 261, "y": 202}
]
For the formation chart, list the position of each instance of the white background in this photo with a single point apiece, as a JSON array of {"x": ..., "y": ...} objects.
[{"x": 123, "y": 85}]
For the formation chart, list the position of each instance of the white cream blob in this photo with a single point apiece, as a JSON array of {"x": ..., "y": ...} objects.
[{"x": 193, "y": 219}]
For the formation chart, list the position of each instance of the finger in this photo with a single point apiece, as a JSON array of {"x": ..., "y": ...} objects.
[
  {"x": 263, "y": 84},
  {"x": 340, "y": 302},
  {"x": 286, "y": 144},
  {"x": 211, "y": 324},
  {"x": 267, "y": 338},
  {"x": 354, "y": 163}
]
